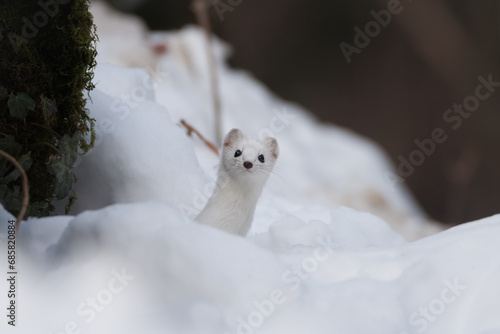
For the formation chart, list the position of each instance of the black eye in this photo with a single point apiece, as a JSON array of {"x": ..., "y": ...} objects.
[
  {"x": 261, "y": 158},
  {"x": 237, "y": 153}
]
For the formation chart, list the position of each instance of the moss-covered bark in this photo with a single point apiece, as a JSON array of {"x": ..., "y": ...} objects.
[{"x": 47, "y": 54}]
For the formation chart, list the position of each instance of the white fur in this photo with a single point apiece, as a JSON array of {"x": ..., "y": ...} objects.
[{"x": 232, "y": 205}]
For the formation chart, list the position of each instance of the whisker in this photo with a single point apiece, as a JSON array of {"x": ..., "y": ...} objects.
[{"x": 267, "y": 169}]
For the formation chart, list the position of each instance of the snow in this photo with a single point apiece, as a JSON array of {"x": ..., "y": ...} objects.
[
  {"x": 299, "y": 277},
  {"x": 328, "y": 250}
]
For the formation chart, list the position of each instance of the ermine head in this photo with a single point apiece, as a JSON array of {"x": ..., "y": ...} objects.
[{"x": 248, "y": 159}]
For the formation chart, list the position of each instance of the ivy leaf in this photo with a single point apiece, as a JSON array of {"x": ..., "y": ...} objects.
[
  {"x": 12, "y": 176},
  {"x": 20, "y": 104},
  {"x": 49, "y": 107},
  {"x": 63, "y": 176},
  {"x": 62, "y": 167},
  {"x": 3, "y": 92},
  {"x": 37, "y": 209},
  {"x": 25, "y": 162},
  {"x": 4, "y": 168},
  {"x": 69, "y": 148},
  {"x": 11, "y": 200},
  {"x": 3, "y": 193},
  {"x": 9, "y": 145}
]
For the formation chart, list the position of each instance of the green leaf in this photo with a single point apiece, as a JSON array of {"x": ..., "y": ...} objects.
[
  {"x": 20, "y": 104},
  {"x": 3, "y": 193},
  {"x": 4, "y": 168},
  {"x": 3, "y": 92},
  {"x": 25, "y": 162},
  {"x": 49, "y": 107},
  {"x": 63, "y": 177},
  {"x": 11, "y": 200},
  {"x": 9, "y": 145},
  {"x": 12, "y": 176},
  {"x": 69, "y": 148},
  {"x": 37, "y": 209},
  {"x": 62, "y": 167}
]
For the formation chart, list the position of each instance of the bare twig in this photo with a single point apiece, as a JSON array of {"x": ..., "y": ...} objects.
[
  {"x": 190, "y": 130},
  {"x": 200, "y": 8},
  {"x": 26, "y": 195}
]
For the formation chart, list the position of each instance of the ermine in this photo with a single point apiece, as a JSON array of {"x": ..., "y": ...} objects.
[{"x": 244, "y": 168}]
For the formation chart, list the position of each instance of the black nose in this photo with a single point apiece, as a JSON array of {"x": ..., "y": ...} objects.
[{"x": 248, "y": 164}]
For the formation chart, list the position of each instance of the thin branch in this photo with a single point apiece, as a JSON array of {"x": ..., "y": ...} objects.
[
  {"x": 200, "y": 8},
  {"x": 26, "y": 195},
  {"x": 190, "y": 130}
]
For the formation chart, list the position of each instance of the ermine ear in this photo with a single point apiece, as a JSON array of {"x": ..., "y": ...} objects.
[
  {"x": 272, "y": 144},
  {"x": 232, "y": 137}
]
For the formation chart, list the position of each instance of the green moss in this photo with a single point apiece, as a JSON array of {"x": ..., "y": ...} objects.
[{"x": 46, "y": 62}]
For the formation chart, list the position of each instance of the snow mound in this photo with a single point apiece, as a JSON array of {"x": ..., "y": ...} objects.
[
  {"x": 146, "y": 267},
  {"x": 139, "y": 155}
]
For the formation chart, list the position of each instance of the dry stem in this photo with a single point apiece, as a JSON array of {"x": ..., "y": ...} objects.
[
  {"x": 200, "y": 8},
  {"x": 190, "y": 130}
]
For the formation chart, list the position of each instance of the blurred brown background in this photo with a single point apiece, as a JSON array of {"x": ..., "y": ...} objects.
[{"x": 396, "y": 90}]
